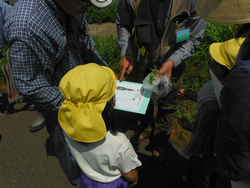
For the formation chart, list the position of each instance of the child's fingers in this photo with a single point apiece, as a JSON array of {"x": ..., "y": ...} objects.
[
  {"x": 181, "y": 91},
  {"x": 181, "y": 94},
  {"x": 134, "y": 183}
]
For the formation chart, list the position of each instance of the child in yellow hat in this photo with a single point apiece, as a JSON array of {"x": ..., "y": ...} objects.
[
  {"x": 223, "y": 55},
  {"x": 103, "y": 154}
]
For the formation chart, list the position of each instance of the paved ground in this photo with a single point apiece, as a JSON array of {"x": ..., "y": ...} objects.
[{"x": 28, "y": 160}]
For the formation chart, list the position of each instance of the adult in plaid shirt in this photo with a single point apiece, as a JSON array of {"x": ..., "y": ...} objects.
[{"x": 47, "y": 39}]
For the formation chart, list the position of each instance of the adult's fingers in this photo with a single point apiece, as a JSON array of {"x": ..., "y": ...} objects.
[
  {"x": 130, "y": 68},
  {"x": 122, "y": 72},
  {"x": 166, "y": 68}
]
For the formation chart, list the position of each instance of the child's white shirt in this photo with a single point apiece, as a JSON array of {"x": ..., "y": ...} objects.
[{"x": 103, "y": 161}]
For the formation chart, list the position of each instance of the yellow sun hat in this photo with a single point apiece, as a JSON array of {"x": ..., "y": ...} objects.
[
  {"x": 225, "y": 52},
  {"x": 87, "y": 89}
]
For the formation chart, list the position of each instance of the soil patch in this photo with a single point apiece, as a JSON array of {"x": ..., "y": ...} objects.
[
  {"x": 102, "y": 30},
  {"x": 2, "y": 84}
]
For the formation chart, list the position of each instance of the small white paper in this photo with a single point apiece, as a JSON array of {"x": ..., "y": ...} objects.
[{"x": 131, "y": 96}]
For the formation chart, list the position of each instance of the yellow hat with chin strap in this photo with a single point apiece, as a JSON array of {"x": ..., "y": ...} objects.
[
  {"x": 225, "y": 52},
  {"x": 87, "y": 89}
]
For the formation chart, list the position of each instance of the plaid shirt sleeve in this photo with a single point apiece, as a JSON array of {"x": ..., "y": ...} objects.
[
  {"x": 45, "y": 45},
  {"x": 31, "y": 76}
]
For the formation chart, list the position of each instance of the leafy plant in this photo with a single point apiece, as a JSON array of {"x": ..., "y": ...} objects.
[{"x": 153, "y": 74}]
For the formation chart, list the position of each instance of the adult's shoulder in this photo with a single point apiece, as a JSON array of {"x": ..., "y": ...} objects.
[
  {"x": 30, "y": 14},
  {"x": 21, "y": 13},
  {"x": 36, "y": 20}
]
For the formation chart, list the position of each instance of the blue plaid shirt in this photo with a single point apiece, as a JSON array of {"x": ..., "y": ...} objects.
[{"x": 45, "y": 44}]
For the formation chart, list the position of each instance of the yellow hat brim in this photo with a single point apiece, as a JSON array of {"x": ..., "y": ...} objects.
[
  {"x": 225, "y": 52},
  {"x": 81, "y": 124},
  {"x": 214, "y": 50}
]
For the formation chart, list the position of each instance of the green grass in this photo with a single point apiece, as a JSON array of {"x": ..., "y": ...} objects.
[
  {"x": 95, "y": 15},
  {"x": 109, "y": 50}
]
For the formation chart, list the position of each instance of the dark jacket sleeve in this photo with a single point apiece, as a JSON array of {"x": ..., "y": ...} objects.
[{"x": 227, "y": 148}]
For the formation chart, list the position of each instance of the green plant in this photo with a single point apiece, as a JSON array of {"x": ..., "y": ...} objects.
[{"x": 153, "y": 74}]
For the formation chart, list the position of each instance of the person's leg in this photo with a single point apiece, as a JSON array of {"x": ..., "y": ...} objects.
[
  {"x": 145, "y": 123},
  {"x": 164, "y": 122},
  {"x": 167, "y": 108},
  {"x": 39, "y": 122},
  {"x": 66, "y": 160},
  {"x": 146, "y": 120}
]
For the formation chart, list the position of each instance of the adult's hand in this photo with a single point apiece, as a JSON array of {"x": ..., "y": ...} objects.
[
  {"x": 127, "y": 65},
  {"x": 166, "y": 68}
]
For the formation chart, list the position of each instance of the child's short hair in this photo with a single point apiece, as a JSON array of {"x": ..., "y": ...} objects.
[{"x": 87, "y": 89}]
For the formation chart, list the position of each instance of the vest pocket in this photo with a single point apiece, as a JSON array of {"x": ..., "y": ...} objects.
[
  {"x": 180, "y": 20},
  {"x": 144, "y": 33}
]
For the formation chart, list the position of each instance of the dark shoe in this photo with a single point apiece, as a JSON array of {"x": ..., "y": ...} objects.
[
  {"x": 38, "y": 124},
  {"x": 185, "y": 181},
  {"x": 159, "y": 161}
]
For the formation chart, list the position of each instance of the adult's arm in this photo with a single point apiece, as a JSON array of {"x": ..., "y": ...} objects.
[
  {"x": 38, "y": 63},
  {"x": 125, "y": 15},
  {"x": 197, "y": 27},
  {"x": 124, "y": 20},
  {"x": 32, "y": 77}
]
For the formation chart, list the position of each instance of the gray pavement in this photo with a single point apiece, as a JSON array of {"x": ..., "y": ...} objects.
[{"x": 28, "y": 159}]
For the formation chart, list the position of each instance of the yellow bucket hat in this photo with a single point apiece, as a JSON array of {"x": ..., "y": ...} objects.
[
  {"x": 225, "y": 52},
  {"x": 87, "y": 89}
]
